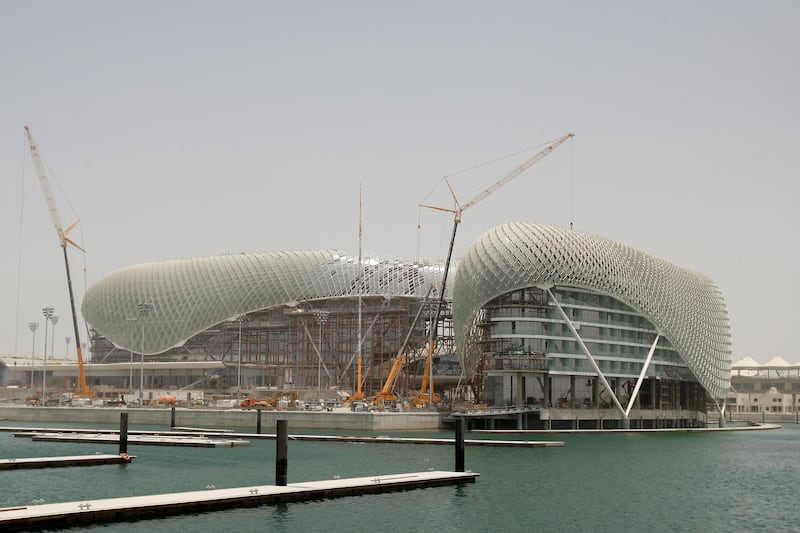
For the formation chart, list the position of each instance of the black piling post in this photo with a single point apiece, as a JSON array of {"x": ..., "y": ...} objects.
[
  {"x": 281, "y": 453},
  {"x": 172, "y": 420},
  {"x": 258, "y": 421},
  {"x": 459, "y": 444},
  {"x": 123, "y": 433}
]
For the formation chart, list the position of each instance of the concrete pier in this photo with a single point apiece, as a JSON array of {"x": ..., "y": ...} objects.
[
  {"x": 230, "y": 418},
  {"x": 81, "y": 513}
]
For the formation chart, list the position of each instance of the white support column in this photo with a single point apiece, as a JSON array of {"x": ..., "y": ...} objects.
[
  {"x": 587, "y": 353},
  {"x": 641, "y": 375},
  {"x": 721, "y": 411}
]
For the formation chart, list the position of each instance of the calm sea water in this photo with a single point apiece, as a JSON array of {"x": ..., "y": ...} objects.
[{"x": 731, "y": 481}]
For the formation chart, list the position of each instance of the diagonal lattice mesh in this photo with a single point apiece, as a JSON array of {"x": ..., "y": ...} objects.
[
  {"x": 686, "y": 307},
  {"x": 191, "y": 295}
]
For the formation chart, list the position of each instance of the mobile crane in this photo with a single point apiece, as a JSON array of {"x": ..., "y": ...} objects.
[
  {"x": 64, "y": 240},
  {"x": 386, "y": 394},
  {"x": 430, "y": 398}
]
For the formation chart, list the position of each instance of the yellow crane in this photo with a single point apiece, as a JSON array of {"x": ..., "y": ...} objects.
[
  {"x": 386, "y": 394},
  {"x": 427, "y": 379},
  {"x": 63, "y": 238}
]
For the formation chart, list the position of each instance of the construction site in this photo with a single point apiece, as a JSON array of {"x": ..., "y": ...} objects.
[
  {"x": 371, "y": 349},
  {"x": 546, "y": 323}
]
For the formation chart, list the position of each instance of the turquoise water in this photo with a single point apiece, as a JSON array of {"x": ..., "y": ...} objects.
[{"x": 732, "y": 481}]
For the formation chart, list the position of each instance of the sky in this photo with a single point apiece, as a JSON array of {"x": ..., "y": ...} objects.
[{"x": 178, "y": 129}]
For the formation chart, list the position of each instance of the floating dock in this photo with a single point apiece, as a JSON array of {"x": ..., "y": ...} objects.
[
  {"x": 82, "y": 513},
  {"x": 140, "y": 439},
  {"x": 69, "y": 460},
  {"x": 419, "y": 440},
  {"x": 112, "y": 436},
  {"x": 753, "y": 427}
]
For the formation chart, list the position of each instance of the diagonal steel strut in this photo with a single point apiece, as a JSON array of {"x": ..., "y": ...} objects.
[{"x": 586, "y": 351}]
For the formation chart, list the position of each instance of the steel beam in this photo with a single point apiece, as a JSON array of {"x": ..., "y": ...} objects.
[{"x": 587, "y": 353}]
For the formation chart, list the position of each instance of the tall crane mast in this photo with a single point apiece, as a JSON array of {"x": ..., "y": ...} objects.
[
  {"x": 64, "y": 240},
  {"x": 427, "y": 379}
]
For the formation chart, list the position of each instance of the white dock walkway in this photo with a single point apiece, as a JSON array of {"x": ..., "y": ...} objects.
[
  {"x": 755, "y": 427},
  {"x": 76, "y": 513},
  {"x": 20, "y": 463},
  {"x": 112, "y": 436},
  {"x": 194, "y": 441}
]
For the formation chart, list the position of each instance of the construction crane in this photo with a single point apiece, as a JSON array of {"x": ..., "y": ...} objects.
[
  {"x": 386, "y": 394},
  {"x": 64, "y": 240},
  {"x": 459, "y": 208}
]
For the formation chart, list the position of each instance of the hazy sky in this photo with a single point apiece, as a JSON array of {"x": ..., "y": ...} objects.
[{"x": 178, "y": 129}]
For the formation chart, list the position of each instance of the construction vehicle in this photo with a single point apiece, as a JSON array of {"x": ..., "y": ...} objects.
[
  {"x": 253, "y": 403},
  {"x": 424, "y": 397},
  {"x": 358, "y": 395},
  {"x": 386, "y": 395},
  {"x": 63, "y": 238},
  {"x": 166, "y": 399},
  {"x": 270, "y": 403}
]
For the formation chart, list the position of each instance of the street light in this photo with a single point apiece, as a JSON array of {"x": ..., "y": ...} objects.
[
  {"x": 322, "y": 317},
  {"x": 144, "y": 309},
  {"x": 53, "y": 321},
  {"x": 48, "y": 316},
  {"x": 132, "y": 327},
  {"x": 33, "y": 326},
  {"x": 240, "y": 319}
]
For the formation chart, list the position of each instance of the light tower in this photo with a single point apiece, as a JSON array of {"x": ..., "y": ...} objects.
[
  {"x": 48, "y": 313},
  {"x": 144, "y": 309},
  {"x": 33, "y": 326}
]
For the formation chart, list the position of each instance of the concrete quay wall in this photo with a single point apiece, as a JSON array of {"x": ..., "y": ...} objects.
[{"x": 231, "y": 418}]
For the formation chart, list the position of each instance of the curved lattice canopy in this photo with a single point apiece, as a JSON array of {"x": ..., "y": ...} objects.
[
  {"x": 686, "y": 307},
  {"x": 189, "y": 296}
]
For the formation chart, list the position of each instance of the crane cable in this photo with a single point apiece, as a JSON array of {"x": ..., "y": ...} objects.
[
  {"x": 19, "y": 248},
  {"x": 481, "y": 165},
  {"x": 475, "y": 167},
  {"x": 571, "y": 184},
  {"x": 52, "y": 175}
]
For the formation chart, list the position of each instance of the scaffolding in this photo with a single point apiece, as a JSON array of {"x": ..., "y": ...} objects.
[{"x": 311, "y": 345}]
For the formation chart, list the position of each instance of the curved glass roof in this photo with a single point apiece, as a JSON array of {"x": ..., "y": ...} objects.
[
  {"x": 189, "y": 296},
  {"x": 686, "y": 307}
]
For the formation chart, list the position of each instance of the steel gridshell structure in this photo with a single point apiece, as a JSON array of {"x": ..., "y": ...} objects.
[
  {"x": 686, "y": 307},
  {"x": 189, "y": 296}
]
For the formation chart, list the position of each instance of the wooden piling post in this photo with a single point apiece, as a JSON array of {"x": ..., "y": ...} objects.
[
  {"x": 281, "y": 453},
  {"x": 459, "y": 444},
  {"x": 123, "y": 433},
  {"x": 172, "y": 419},
  {"x": 258, "y": 420}
]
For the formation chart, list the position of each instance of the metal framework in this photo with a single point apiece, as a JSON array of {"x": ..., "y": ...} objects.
[{"x": 307, "y": 340}]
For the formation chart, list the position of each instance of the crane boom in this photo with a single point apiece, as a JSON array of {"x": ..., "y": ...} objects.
[
  {"x": 63, "y": 239},
  {"x": 517, "y": 171},
  {"x": 427, "y": 380}
]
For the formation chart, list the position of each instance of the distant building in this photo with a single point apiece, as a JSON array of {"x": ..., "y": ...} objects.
[{"x": 772, "y": 387}]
